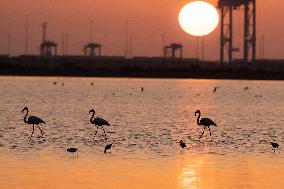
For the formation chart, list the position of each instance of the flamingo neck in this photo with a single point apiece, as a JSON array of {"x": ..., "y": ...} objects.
[
  {"x": 198, "y": 118},
  {"x": 25, "y": 118},
  {"x": 91, "y": 120}
]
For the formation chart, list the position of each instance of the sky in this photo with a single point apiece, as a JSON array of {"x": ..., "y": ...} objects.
[{"x": 148, "y": 20}]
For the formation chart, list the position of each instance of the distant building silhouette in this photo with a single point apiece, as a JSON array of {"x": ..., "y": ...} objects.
[
  {"x": 90, "y": 49},
  {"x": 47, "y": 48},
  {"x": 170, "y": 50}
]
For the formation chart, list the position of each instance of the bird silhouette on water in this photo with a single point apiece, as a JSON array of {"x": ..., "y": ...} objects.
[
  {"x": 98, "y": 122},
  {"x": 182, "y": 144},
  {"x": 33, "y": 120},
  {"x": 206, "y": 122},
  {"x": 274, "y": 145},
  {"x": 73, "y": 150},
  {"x": 107, "y": 147},
  {"x": 215, "y": 89}
]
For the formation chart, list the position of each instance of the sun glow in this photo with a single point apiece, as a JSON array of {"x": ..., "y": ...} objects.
[{"x": 198, "y": 18}]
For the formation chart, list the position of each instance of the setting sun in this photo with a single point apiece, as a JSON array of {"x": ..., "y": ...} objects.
[{"x": 198, "y": 18}]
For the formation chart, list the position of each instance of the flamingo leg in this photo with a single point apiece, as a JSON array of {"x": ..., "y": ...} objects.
[
  {"x": 95, "y": 133},
  {"x": 202, "y": 133},
  {"x": 105, "y": 134},
  {"x": 40, "y": 130},
  {"x": 32, "y": 132}
]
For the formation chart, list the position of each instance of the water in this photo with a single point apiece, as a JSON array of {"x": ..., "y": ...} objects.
[{"x": 145, "y": 128}]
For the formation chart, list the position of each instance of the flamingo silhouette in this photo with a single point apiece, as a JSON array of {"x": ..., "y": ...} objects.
[
  {"x": 32, "y": 120},
  {"x": 99, "y": 122},
  {"x": 206, "y": 122}
]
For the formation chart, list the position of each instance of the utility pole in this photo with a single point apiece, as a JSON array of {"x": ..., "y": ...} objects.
[
  {"x": 262, "y": 47},
  {"x": 8, "y": 44},
  {"x": 66, "y": 44},
  {"x": 162, "y": 44},
  {"x": 202, "y": 48},
  {"x": 126, "y": 37},
  {"x": 63, "y": 44},
  {"x": 197, "y": 47},
  {"x": 91, "y": 30},
  {"x": 130, "y": 45},
  {"x": 27, "y": 34}
]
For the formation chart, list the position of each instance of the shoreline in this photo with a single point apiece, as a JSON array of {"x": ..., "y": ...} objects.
[{"x": 139, "y": 67}]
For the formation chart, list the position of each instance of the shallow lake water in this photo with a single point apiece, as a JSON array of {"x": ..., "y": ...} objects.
[{"x": 145, "y": 128}]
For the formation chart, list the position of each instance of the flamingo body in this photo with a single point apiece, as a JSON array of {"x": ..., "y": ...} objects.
[
  {"x": 100, "y": 122},
  {"x": 34, "y": 120},
  {"x": 206, "y": 122}
]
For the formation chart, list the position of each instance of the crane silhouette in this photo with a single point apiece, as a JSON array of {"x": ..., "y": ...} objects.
[
  {"x": 206, "y": 122},
  {"x": 32, "y": 120},
  {"x": 99, "y": 122}
]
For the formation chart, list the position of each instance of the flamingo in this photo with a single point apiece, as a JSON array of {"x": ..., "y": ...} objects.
[
  {"x": 99, "y": 122},
  {"x": 107, "y": 147},
  {"x": 206, "y": 122},
  {"x": 32, "y": 120}
]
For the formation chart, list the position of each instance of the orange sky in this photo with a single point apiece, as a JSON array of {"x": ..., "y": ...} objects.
[{"x": 148, "y": 20}]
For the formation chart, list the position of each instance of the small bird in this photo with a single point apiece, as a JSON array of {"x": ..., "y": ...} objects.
[
  {"x": 107, "y": 147},
  {"x": 54, "y": 83},
  {"x": 32, "y": 120},
  {"x": 92, "y": 84},
  {"x": 99, "y": 122},
  {"x": 274, "y": 145},
  {"x": 142, "y": 89},
  {"x": 206, "y": 122},
  {"x": 246, "y": 88},
  {"x": 73, "y": 150},
  {"x": 215, "y": 89},
  {"x": 182, "y": 144}
]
